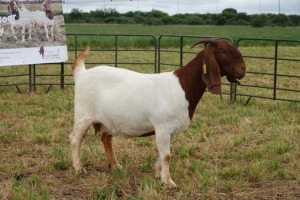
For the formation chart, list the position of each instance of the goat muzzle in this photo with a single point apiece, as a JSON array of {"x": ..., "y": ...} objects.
[{"x": 232, "y": 80}]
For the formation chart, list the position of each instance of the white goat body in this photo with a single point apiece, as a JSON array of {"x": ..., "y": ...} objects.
[
  {"x": 39, "y": 18},
  {"x": 130, "y": 104},
  {"x": 25, "y": 20}
]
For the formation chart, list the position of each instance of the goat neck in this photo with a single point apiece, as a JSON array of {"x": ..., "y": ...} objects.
[{"x": 190, "y": 78}]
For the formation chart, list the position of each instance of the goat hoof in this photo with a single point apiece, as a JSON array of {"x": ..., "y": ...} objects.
[
  {"x": 81, "y": 171},
  {"x": 115, "y": 166},
  {"x": 158, "y": 174},
  {"x": 171, "y": 185}
]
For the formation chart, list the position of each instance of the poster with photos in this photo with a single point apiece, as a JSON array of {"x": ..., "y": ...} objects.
[{"x": 32, "y": 32}]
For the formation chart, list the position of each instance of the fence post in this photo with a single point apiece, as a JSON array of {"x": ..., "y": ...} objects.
[
  {"x": 116, "y": 51},
  {"x": 158, "y": 54},
  {"x": 275, "y": 70},
  {"x": 233, "y": 92},
  {"x": 62, "y": 75},
  {"x": 181, "y": 49},
  {"x": 34, "y": 78},
  {"x": 30, "y": 78}
]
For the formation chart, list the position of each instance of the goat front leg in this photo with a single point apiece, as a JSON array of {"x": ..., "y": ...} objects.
[
  {"x": 14, "y": 32},
  {"x": 46, "y": 30},
  {"x": 163, "y": 141},
  {"x": 157, "y": 166},
  {"x": 30, "y": 26},
  {"x": 52, "y": 28},
  {"x": 79, "y": 131},
  {"x": 107, "y": 142},
  {"x": 23, "y": 33}
]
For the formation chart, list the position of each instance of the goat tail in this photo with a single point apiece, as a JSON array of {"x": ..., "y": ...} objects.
[{"x": 78, "y": 64}]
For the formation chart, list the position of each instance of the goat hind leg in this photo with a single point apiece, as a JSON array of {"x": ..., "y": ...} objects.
[
  {"x": 107, "y": 142},
  {"x": 79, "y": 131}
]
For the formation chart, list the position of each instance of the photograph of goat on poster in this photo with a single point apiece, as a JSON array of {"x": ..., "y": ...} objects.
[{"x": 28, "y": 24}]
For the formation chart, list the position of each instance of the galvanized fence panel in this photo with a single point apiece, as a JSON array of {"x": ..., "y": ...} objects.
[
  {"x": 280, "y": 67},
  {"x": 169, "y": 52}
]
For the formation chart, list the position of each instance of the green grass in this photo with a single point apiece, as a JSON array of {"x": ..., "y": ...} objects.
[
  {"x": 235, "y": 157},
  {"x": 233, "y": 32}
]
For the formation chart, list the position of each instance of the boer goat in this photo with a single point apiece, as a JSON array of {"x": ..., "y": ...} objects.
[
  {"x": 119, "y": 102},
  {"x": 24, "y": 20},
  {"x": 41, "y": 20}
]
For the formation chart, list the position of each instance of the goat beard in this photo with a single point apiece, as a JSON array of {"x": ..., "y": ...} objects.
[{"x": 232, "y": 80}]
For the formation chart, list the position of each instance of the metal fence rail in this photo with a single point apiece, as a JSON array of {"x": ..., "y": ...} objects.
[
  {"x": 158, "y": 60},
  {"x": 276, "y": 57}
]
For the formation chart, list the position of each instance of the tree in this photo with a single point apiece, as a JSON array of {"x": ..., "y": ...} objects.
[
  {"x": 259, "y": 21},
  {"x": 194, "y": 20},
  {"x": 221, "y": 20},
  {"x": 157, "y": 14},
  {"x": 230, "y": 11},
  {"x": 282, "y": 20},
  {"x": 76, "y": 14}
]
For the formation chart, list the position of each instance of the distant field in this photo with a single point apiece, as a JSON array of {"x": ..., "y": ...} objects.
[{"x": 233, "y": 32}]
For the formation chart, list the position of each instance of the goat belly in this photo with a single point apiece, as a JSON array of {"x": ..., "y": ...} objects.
[{"x": 131, "y": 104}]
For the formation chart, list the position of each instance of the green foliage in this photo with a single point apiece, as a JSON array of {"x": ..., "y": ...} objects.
[
  {"x": 221, "y": 20},
  {"x": 282, "y": 20},
  {"x": 194, "y": 20},
  {"x": 229, "y": 16},
  {"x": 259, "y": 21}
]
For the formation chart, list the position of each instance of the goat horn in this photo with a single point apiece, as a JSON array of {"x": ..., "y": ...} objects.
[{"x": 205, "y": 41}]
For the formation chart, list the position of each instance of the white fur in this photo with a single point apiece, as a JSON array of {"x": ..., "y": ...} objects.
[
  {"x": 129, "y": 104},
  {"x": 39, "y": 18},
  {"x": 24, "y": 21}
]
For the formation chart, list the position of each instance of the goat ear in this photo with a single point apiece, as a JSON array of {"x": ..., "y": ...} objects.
[{"x": 211, "y": 75}]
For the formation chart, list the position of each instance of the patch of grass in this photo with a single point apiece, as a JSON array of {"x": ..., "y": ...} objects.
[
  {"x": 147, "y": 162},
  {"x": 61, "y": 160}
]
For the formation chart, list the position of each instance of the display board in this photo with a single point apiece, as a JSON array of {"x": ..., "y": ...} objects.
[{"x": 32, "y": 32}]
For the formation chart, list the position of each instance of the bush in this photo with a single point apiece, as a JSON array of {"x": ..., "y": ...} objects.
[
  {"x": 221, "y": 20},
  {"x": 194, "y": 20},
  {"x": 282, "y": 20},
  {"x": 259, "y": 21}
]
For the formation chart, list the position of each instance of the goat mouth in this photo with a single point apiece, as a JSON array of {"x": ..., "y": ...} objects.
[
  {"x": 239, "y": 75},
  {"x": 233, "y": 80}
]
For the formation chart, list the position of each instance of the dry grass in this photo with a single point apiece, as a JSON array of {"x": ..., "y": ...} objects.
[{"x": 230, "y": 151}]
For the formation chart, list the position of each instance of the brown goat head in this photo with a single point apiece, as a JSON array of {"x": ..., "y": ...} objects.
[{"x": 221, "y": 58}]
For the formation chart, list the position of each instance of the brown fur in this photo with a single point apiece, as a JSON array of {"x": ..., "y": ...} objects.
[
  {"x": 82, "y": 56},
  {"x": 221, "y": 58},
  {"x": 107, "y": 142},
  {"x": 167, "y": 159},
  {"x": 49, "y": 14}
]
